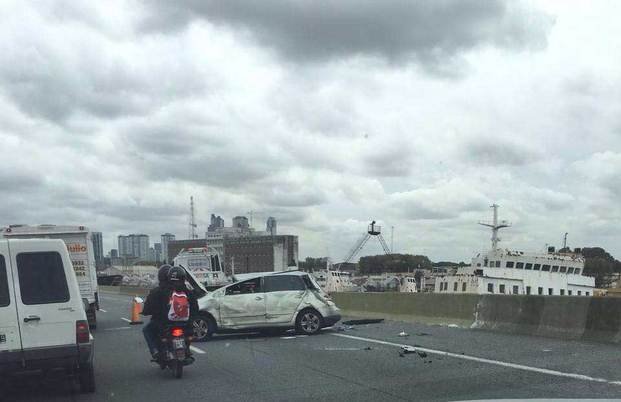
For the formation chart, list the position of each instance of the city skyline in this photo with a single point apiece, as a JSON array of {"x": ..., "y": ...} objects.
[{"x": 419, "y": 120}]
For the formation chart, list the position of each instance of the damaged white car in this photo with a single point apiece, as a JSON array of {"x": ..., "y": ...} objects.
[{"x": 269, "y": 301}]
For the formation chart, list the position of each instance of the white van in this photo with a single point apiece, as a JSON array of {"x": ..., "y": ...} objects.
[
  {"x": 43, "y": 322},
  {"x": 80, "y": 247}
]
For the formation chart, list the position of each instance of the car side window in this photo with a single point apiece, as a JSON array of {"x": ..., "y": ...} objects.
[
  {"x": 4, "y": 284},
  {"x": 279, "y": 283},
  {"x": 245, "y": 287},
  {"x": 42, "y": 278}
]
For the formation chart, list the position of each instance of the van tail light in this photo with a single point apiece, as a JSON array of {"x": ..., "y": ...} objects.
[
  {"x": 82, "y": 334},
  {"x": 176, "y": 332}
]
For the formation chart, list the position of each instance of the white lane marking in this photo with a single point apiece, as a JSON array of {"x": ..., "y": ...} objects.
[
  {"x": 197, "y": 350},
  {"x": 126, "y": 319},
  {"x": 488, "y": 361},
  {"x": 116, "y": 329},
  {"x": 102, "y": 310}
]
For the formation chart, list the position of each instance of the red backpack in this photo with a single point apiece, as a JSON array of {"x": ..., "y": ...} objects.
[{"x": 179, "y": 307}]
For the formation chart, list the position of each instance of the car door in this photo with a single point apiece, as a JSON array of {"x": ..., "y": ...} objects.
[
  {"x": 47, "y": 306},
  {"x": 283, "y": 295},
  {"x": 243, "y": 304},
  {"x": 10, "y": 342}
]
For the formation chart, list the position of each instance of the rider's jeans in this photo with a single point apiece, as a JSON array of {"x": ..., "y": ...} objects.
[{"x": 150, "y": 332}]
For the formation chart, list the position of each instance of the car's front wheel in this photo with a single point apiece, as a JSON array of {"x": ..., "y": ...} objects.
[
  {"x": 308, "y": 322},
  {"x": 203, "y": 327}
]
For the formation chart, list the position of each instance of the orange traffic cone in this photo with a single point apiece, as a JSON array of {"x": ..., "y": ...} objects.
[{"x": 136, "y": 310}]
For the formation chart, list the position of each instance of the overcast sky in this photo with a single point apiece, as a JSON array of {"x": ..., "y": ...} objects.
[{"x": 322, "y": 114}]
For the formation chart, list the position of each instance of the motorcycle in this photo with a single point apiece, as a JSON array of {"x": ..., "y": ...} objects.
[{"x": 174, "y": 351}]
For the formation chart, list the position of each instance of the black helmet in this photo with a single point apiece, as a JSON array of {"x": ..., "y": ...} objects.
[
  {"x": 176, "y": 275},
  {"x": 162, "y": 273}
]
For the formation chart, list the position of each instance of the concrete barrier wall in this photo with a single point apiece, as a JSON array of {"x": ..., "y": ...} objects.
[
  {"x": 124, "y": 290},
  {"x": 567, "y": 317},
  {"x": 425, "y": 307}
]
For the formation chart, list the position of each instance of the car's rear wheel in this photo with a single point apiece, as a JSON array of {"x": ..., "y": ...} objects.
[
  {"x": 203, "y": 327},
  {"x": 86, "y": 377},
  {"x": 308, "y": 322}
]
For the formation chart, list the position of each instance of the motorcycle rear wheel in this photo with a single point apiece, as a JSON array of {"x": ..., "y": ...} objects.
[{"x": 177, "y": 368}]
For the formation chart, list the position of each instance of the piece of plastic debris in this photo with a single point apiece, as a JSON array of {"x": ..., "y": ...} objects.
[
  {"x": 403, "y": 334},
  {"x": 453, "y": 326},
  {"x": 407, "y": 350},
  {"x": 364, "y": 321}
]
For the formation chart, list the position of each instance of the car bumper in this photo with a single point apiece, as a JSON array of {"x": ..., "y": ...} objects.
[
  {"x": 59, "y": 357},
  {"x": 331, "y": 320}
]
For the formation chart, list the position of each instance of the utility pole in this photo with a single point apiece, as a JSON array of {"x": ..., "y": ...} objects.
[{"x": 392, "y": 235}]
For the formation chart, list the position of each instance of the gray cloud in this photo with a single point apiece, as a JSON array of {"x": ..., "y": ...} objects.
[
  {"x": 498, "y": 151},
  {"x": 429, "y": 32}
]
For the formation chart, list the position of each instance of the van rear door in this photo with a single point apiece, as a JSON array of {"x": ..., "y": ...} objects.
[
  {"x": 10, "y": 342},
  {"x": 47, "y": 305}
]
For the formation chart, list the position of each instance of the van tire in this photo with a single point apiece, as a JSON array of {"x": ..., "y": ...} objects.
[
  {"x": 91, "y": 316},
  {"x": 86, "y": 377}
]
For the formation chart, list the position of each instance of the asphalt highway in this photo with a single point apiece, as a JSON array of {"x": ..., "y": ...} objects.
[{"x": 357, "y": 363}]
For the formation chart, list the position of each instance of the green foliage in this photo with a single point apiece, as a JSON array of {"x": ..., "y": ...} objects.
[
  {"x": 378, "y": 264},
  {"x": 600, "y": 264},
  {"x": 313, "y": 264}
]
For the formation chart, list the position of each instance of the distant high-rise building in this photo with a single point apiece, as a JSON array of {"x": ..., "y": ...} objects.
[
  {"x": 240, "y": 222},
  {"x": 166, "y": 237},
  {"x": 134, "y": 245},
  {"x": 270, "y": 226},
  {"x": 125, "y": 246},
  {"x": 97, "y": 240},
  {"x": 158, "y": 251},
  {"x": 114, "y": 253},
  {"x": 216, "y": 223}
]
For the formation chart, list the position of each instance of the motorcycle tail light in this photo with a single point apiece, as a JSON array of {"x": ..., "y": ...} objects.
[{"x": 177, "y": 332}]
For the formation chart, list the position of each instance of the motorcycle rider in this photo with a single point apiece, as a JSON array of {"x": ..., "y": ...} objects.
[
  {"x": 176, "y": 281},
  {"x": 156, "y": 306}
]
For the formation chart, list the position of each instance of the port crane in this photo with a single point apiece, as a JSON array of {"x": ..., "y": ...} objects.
[{"x": 372, "y": 231}]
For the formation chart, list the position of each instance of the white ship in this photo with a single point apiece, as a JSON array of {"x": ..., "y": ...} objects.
[
  {"x": 503, "y": 271},
  {"x": 332, "y": 280}
]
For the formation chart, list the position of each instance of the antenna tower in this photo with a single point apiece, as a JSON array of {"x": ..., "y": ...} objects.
[
  {"x": 192, "y": 225},
  {"x": 495, "y": 225}
]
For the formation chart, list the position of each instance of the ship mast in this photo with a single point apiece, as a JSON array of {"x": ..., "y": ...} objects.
[{"x": 495, "y": 225}]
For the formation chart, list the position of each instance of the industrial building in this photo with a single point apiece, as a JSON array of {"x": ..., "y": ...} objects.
[{"x": 248, "y": 253}]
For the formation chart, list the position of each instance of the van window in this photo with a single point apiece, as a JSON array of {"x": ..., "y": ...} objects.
[
  {"x": 278, "y": 283},
  {"x": 245, "y": 287},
  {"x": 4, "y": 285},
  {"x": 42, "y": 278}
]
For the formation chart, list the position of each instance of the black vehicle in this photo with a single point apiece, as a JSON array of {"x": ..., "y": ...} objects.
[{"x": 174, "y": 350}]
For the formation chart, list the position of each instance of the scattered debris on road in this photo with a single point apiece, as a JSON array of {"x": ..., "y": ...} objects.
[
  {"x": 422, "y": 334},
  {"x": 453, "y": 326},
  {"x": 403, "y": 334},
  {"x": 347, "y": 349},
  {"x": 364, "y": 321}
]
